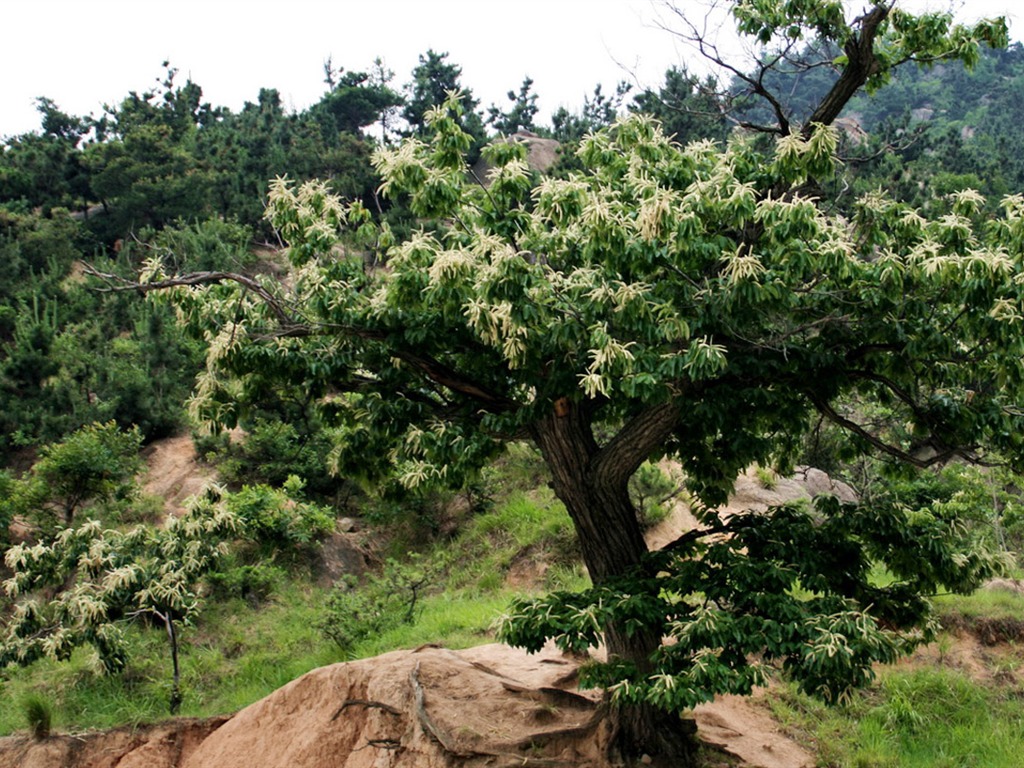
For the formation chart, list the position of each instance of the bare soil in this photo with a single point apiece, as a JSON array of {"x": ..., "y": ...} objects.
[{"x": 174, "y": 472}]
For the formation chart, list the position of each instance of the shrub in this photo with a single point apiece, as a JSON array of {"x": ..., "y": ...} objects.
[
  {"x": 650, "y": 489},
  {"x": 278, "y": 520},
  {"x": 253, "y": 583},
  {"x": 272, "y": 451},
  {"x": 386, "y": 600}
]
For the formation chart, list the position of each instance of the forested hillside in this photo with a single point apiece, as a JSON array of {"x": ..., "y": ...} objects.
[
  {"x": 163, "y": 172},
  {"x": 260, "y": 232}
]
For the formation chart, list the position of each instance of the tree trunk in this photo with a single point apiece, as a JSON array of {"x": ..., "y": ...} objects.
[
  {"x": 592, "y": 482},
  {"x": 172, "y": 638}
]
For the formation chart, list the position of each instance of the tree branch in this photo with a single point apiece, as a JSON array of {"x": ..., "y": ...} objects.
[
  {"x": 861, "y": 65},
  {"x": 618, "y": 459},
  {"x": 118, "y": 284},
  {"x": 828, "y": 411},
  {"x": 291, "y": 327}
]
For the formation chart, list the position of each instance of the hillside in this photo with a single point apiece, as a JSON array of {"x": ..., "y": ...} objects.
[
  {"x": 485, "y": 705},
  {"x": 456, "y": 389}
]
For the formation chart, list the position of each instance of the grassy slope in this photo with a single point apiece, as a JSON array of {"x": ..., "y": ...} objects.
[
  {"x": 238, "y": 653},
  {"x": 928, "y": 713}
]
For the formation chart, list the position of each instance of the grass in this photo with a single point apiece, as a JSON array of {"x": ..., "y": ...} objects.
[
  {"x": 927, "y": 717},
  {"x": 767, "y": 477},
  {"x": 991, "y": 604},
  {"x": 38, "y": 715},
  {"x": 913, "y": 718},
  {"x": 235, "y": 656}
]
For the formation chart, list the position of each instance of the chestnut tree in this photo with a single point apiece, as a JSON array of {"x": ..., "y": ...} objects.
[{"x": 701, "y": 302}]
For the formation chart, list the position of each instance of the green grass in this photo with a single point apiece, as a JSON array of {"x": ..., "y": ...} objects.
[
  {"x": 926, "y": 717},
  {"x": 912, "y": 718},
  {"x": 38, "y": 715},
  {"x": 990, "y": 604}
]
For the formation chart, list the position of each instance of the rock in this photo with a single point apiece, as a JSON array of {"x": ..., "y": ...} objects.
[
  {"x": 818, "y": 483},
  {"x": 426, "y": 708},
  {"x": 340, "y": 554},
  {"x": 541, "y": 154},
  {"x": 429, "y": 708}
]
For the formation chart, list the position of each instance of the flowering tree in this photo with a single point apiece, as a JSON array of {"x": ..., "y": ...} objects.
[
  {"x": 690, "y": 301},
  {"x": 80, "y": 587}
]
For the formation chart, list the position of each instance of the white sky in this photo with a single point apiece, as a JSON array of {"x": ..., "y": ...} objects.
[{"x": 84, "y": 53}]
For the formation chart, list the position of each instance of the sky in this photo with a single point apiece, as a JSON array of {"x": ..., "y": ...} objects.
[{"x": 83, "y": 55}]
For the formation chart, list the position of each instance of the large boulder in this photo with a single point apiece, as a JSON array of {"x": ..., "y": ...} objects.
[{"x": 541, "y": 154}]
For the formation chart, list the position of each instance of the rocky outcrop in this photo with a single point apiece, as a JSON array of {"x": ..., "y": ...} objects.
[
  {"x": 427, "y": 708},
  {"x": 541, "y": 154}
]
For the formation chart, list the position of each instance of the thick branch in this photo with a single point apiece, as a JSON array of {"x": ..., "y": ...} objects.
[
  {"x": 830, "y": 413},
  {"x": 861, "y": 64},
  {"x": 290, "y": 326},
  {"x": 639, "y": 437},
  {"x": 448, "y": 377},
  {"x": 117, "y": 284}
]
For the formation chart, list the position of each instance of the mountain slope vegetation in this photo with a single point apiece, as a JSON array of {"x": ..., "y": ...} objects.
[{"x": 358, "y": 509}]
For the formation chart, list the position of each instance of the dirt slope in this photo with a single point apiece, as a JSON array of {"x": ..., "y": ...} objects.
[
  {"x": 173, "y": 472},
  {"x": 160, "y": 746}
]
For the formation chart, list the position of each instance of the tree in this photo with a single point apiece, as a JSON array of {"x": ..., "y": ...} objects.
[
  {"x": 599, "y": 111},
  {"x": 690, "y": 301},
  {"x": 45, "y": 170},
  {"x": 82, "y": 586},
  {"x": 433, "y": 79},
  {"x": 687, "y": 107},
  {"x": 96, "y": 463},
  {"x": 144, "y": 168},
  {"x": 520, "y": 115},
  {"x": 354, "y": 100}
]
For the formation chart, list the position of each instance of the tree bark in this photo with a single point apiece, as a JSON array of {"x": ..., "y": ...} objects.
[
  {"x": 172, "y": 638},
  {"x": 592, "y": 482},
  {"x": 861, "y": 64}
]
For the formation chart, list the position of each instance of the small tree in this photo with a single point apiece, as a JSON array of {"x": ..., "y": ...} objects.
[
  {"x": 433, "y": 79},
  {"x": 105, "y": 578},
  {"x": 520, "y": 114},
  {"x": 691, "y": 301},
  {"x": 94, "y": 464}
]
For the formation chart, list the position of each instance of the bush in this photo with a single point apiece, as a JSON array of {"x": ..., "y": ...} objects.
[
  {"x": 95, "y": 464},
  {"x": 387, "y": 600},
  {"x": 6, "y": 508},
  {"x": 252, "y": 583},
  {"x": 650, "y": 489},
  {"x": 278, "y": 520},
  {"x": 271, "y": 452}
]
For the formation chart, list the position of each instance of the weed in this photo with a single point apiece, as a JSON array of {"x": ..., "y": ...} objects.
[
  {"x": 38, "y": 713},
  {"x": 767, "y": 477}
]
